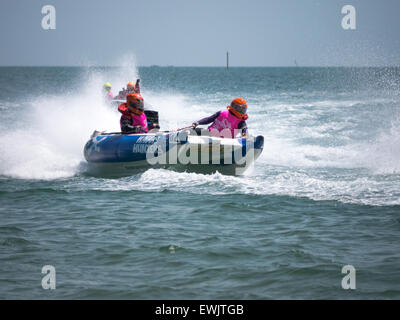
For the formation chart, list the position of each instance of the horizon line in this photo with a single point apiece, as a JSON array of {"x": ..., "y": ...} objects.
[{"x": 194, "y": 66}]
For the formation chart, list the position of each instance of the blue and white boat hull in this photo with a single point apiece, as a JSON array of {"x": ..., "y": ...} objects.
[{"x": 124, "y": 154}]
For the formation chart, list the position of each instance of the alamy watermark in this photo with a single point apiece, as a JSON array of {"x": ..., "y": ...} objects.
[
  {"x": 349, "y": 20},
  {"x": 49, "y": 20},
  {"x": 349, "y": 280},
  {"x": 186, "y": 147},
  {"x": 49, "y": 280}
]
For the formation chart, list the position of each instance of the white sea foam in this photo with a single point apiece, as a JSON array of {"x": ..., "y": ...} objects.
[
  {"x": 49, "y": 144},
  {"x": 264, "y": 180}
]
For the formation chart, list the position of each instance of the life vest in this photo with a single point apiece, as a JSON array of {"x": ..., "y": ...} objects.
[
  {"x": 225, "y": 120},
  {"x": 140, "y": 120}
]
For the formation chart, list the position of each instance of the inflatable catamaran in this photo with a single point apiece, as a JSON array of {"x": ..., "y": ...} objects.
[{"x": 182, "y": 150}]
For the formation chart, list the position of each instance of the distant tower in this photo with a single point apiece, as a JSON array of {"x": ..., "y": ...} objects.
[
  {"x": 295, "y": 62},
  {"x": 227, "y": 60}
]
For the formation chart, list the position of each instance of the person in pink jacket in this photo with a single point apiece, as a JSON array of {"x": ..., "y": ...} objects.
[
  {"x": 107, "y": 91},
  {"x": 133, "y": 119},
  {"x": 233, "y": 120}
]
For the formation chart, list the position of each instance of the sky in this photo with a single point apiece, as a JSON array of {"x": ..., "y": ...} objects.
[{"x": 199, "y": 33}]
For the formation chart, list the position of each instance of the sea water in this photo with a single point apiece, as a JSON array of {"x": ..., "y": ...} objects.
[{"x": 325, "y": 192}]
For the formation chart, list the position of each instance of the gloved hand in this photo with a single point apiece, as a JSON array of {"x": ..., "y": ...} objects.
[{"x": 195, "y": 124}]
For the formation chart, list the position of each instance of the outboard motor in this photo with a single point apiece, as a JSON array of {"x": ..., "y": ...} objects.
[{"x": 152, "y": 119}]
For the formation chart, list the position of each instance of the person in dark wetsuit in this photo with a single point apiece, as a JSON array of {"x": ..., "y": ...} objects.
[{"x": 226, "y": 123}]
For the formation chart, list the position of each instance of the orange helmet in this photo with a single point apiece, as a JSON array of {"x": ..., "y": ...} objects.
[
  {"x": 239, "y": 108},
  {"x": 130, "y": 85},
  {"x": 136, "y": 102}
]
